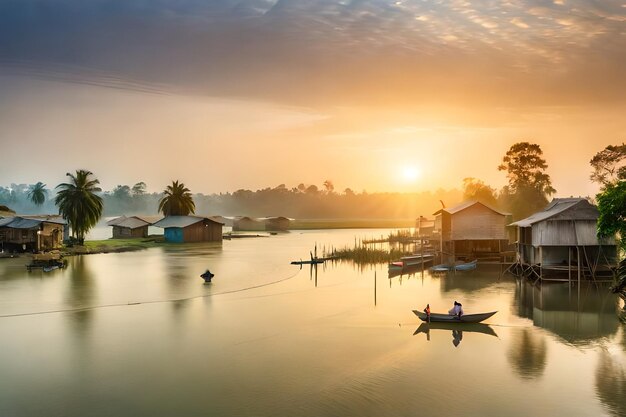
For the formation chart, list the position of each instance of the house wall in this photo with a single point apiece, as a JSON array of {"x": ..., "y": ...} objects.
[
  {"x": 126, "y": 232},
  {"x": 567, "y": 233},
  {"x": 476, "y": 222},
  {"x": 248, "y": 224},
  {"x": 204, "y": 231},
  {"x": 50, "y": 237},
  {"x": 173, "y": 234},
  {"x": 279, "y": 223}
]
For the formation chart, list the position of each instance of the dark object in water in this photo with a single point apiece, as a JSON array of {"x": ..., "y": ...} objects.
[
  {"x": 311, "y": 262},
  {"x": 207, "y": 276}
]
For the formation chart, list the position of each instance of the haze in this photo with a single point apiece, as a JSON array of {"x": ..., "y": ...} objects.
[{"x": 375, "y": 95}]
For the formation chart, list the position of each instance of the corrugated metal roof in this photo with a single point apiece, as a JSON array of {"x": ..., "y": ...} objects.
[
  {"x": 131, "y": 223},
  {"x": 467, "y": 204},
  {"x": 115, "y": 221},
  {"x": 20, "y": 223},
  {"x": 556, "y": 206},
  {"x": 48, "y": 218},
  {"x": 181, "y": 221}
]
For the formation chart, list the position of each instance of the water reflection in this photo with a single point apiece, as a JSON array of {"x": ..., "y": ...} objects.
[
  {"x": 611, "y": 383},
  {"x": 80, "y": 293},
  {"x": 457, "y": 330},
  {"x": 469, "y": 282},
  {"x": 578, "y": 317},
  {"x": 527, "y": 353}
]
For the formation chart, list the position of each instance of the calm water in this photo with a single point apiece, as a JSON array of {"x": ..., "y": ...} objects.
[{"x": 268, "y": 339}]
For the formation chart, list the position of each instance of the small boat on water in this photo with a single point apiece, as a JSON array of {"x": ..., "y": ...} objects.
[
  {"x": 416, "y": 259},
  {"x": 463, "y": 266},
  {"x": 447, "y": 318},
  {"x": 395, "y": 265},
  {"x": 50, "y": 268},
  {"x": 308, "y": 262}
]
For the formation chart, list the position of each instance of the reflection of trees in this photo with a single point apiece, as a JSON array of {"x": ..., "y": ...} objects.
[
  {"x": 528, "y": 353},
  {"x": 611, "y": 383},
  {"x": 80, "y": 292}
]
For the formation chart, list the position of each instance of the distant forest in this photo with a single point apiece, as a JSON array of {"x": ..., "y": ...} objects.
[{"x": 301, "y": 202}]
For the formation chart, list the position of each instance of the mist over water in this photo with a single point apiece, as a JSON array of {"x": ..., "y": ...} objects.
[{"x": 140, "y": 334}]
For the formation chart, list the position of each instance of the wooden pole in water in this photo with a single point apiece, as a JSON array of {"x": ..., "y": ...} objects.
[{"x": 374, "y": 287}]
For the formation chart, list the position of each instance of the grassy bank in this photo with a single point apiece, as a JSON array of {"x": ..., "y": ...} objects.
[{"x": 114, "y": 245}]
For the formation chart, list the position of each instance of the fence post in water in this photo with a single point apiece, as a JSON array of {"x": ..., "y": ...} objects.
[{"x": 374, "y": 287}]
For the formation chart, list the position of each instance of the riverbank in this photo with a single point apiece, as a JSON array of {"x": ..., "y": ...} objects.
[{"x": 309, "y": 224}]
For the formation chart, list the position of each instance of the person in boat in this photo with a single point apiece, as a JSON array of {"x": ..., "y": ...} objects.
[
  {"x": 427, "y": 311},
  {"x": 457, "y": 310}
]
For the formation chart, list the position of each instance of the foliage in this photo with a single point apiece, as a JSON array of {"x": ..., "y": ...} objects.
[
  {"x": 79, "y": 204},
  {"x": 37, "y": 193},
  {"x": 139, "y": 189},
  {"x": 177, "y": 200},
  {"x": 612, "y": 208},
  {"x": 475, "y": 189},
  {"x": 620, "y": 279},
  {"x": 609, "y": 165},
  {"x": 528, "y": 185}
]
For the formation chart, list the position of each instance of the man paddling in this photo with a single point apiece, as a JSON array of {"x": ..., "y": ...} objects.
[{"x": 427, "y": 311}]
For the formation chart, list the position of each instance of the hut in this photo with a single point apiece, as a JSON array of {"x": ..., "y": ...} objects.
[
  {"x": 471, "y": 230},
  {"x": 187, "y": 229},
  {"x": 32, "y": 233},
  {"x": 424, "y": 227},
  {"x": 279, "y": 223},
  {"x": 562, "y": 240},
  {"x": 248, "y": 224},
  {"x": 129, "y": 227}
]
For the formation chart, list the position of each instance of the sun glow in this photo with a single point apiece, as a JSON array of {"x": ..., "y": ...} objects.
[{"x": 410, "y": 173}]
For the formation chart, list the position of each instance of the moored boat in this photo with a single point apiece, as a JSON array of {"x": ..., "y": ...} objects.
[
  {"x": 416, "y": 259},
  {"x": 447, "y": 318}
]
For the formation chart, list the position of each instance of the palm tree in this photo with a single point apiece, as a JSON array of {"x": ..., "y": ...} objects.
[
  {"x": 37, "y": 193},
  {"x": 177, "y": 200},
  {"x": 79, "y": 204}
]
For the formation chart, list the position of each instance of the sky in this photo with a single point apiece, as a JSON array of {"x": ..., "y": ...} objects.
[{"x": 373, "y": 95}]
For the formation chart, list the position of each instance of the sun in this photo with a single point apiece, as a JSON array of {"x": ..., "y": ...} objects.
[{"x": 410, "y": 173}]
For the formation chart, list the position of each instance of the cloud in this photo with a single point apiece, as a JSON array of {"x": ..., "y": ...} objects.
[{"x": 327, "y": 52}]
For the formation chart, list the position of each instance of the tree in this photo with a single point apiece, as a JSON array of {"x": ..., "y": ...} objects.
[
  {"x": 609, "y": 165},
  {"x": 122, "y": 192},
  {"x": 475, "y": 189},
  {"x": 79, "y": 204},
  {"x": 177, "y": 200},
  {"x": 529, "y": 185},
  {"x": 37, "y": 193},
  {"x": 139, "y": 189},
  {"x": 329, "y": 186}
]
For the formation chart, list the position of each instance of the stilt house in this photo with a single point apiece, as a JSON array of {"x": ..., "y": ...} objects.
[
  {"x": 562, "y": 240},
  {"x": 471, "y": 230},
  {"x": 32, "y": 233},
  {"x": 129, "y": 227}
]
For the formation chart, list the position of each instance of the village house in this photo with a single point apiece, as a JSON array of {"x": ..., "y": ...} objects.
[
  {"x": 188, "y": 229},
  {"x": 131, "y": 227},
  {"x": 562, "y": 240},
  {"x": 32, "y": 233},
  {"x": 279, "y": 223},
  {"x": 471, "y": 230},
  {"x": 245, "y": 223}
]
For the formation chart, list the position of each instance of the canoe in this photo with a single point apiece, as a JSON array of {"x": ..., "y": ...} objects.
[
  {"x": 468, "y": 266},
  {"x": 416, "y": 259},
  {"x": 311, "y": 262},
  {"x": 440, "y": 268},
  {"x": 396, "y": 265},
  {"x": 447, "y": 318},
  {"x": 465, "y": 327}
]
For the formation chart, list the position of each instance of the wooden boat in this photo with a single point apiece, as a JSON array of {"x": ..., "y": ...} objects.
[
  {"x": 467, "y": 266},
  {"x": 447, "y": 318},
  {"x": 465, "y": 327},
  {"x": 308, "y": 262},
  {"x": 416, "y": 259},
  {"x": 464, "y": 266},
  {"x": 395, "y": 265}
]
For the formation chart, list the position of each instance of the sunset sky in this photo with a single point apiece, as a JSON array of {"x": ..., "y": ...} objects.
[{"x": 376, "y": 95}]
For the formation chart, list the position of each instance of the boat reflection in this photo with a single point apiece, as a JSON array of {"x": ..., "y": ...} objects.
[{"x": 457, "y": 330}]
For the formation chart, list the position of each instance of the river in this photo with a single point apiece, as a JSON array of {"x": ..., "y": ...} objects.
[{"x": 140, "y": 334}]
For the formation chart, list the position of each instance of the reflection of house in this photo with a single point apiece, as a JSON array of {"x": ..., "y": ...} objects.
[
  {"x": 471, "y": 230},
  {"x": 129, "y": 227},
  {"x": 247, "y": 223},
  {"x": 32, "y": 233},
  {"x": 562, "y": 239},
  {"x": 276, "y": 223},
  {"x": 187, "y": 229},
  {"x": 576, "y": 317}
]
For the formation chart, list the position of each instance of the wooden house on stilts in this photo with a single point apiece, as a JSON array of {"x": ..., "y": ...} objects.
[
  {"x": 560, "y": 243},
  {"x": 471, "y": 230}
]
